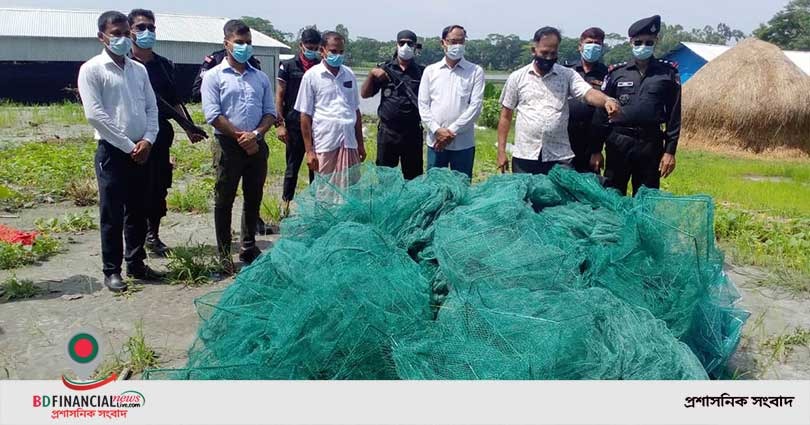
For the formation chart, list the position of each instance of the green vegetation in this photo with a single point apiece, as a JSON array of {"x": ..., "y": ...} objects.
[
  {"x": 789, "y": 28},
  {"x": 69, "y": 223},
  {"x": 192, "y": 265},
  {"x": 46, "y": 168},
  {"x": 83, "y": 192},
  {"x": 136, "y": 355},
  {"x": 195, "y": 198},
  {"x": 271, "y": 210},
  {"x": 14, "y": 255},
  {"x": 18, "y": 289},
  {"x": 18, "y": 115},
  {"x": 782, "y": 345}
]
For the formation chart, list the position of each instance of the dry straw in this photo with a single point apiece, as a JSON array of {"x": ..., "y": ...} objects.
[{"x": 751, "y": 97}]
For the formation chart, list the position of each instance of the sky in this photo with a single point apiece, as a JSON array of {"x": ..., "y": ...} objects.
[{"x": 382, "y": 19}]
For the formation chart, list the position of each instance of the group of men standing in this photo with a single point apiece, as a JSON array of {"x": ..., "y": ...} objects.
[{"x": 565, "y": 115}]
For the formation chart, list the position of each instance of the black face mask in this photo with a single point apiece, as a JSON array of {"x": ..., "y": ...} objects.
[{"x": 543, "y": 64}]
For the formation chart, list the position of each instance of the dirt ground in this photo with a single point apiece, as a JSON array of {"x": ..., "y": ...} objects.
[{"x": 33, "y": 332}]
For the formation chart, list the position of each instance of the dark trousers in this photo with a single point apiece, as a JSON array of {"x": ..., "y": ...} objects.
[
  {"x": 233, "y": 164},
  {"x": 401, "y": 147},
  {"x": 159, "y": 170},
  {"x": 579, "y": 134},
  {"x": 461, "y": 161},
  {"x": 122, "y": 200},
  {"x": 536, "y": 166},
  {"x": 294, "y": 151},
  {"x": 633, "y": 156}
]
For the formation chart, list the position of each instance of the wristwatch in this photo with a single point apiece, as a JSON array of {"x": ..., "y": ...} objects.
[{"x": 257, "y": 134}]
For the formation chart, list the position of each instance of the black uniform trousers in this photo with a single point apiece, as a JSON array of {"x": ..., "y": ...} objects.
[
  {"x": 633, "y": 153},
  {"x": 122, "y": 200},
  {"x": 401, "y": 147},
  {"x": 159, "y": 174},
  {"x": 233, "y": 164},
  {"x": 537, "y": 166},
  {"x": 579, "y": 135},
  {"x": 294, "y": 152}
]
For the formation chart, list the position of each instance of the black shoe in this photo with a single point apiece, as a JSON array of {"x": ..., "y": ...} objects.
[
  {"x": 155, "y": 245},
  {"x": 262, "y": 228},
  {"x": 248, "y": 256},
  {"x": 114, "y": 283},
  {"x": 143, "y": 272}
]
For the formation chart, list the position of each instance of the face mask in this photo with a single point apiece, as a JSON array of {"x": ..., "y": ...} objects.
[
  {"x": 242, "y": 52},
  {"x": 543, "y": 64},
  {"x": 145, "y": 39},
  {"x": 120, "y": 46},
  {"x": 311, "y": 54},
  {"x": 592, "y": 52},
  {"x": 405, "y": 52},
  {"x": 643, "y": 52},
  {"x": 334, "y": 60},
  {"x": 455, "y": 51}
]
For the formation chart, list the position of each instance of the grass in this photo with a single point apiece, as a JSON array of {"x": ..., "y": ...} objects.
[
  {"x": 68, "y": 223},
  {"x": 136, "y": 354},
  {"x": 271, "y": 210},
  {"x": 781, "y": 346},
  {"x": 194, "y": 198},
  {"x": 14, "y": 255},
  {"x": 64, "y": 113},
  {"x": 192, "y": 265},
  {"x": 83, "y": 192},
  {"x": 18, "y": 289}
]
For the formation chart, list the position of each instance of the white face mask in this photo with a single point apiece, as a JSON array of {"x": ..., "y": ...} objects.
[
  {"x": 455, "y": 51},
  {"x": 405, "y": 52}
]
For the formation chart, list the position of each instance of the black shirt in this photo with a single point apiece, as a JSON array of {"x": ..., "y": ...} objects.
[
  {"x": 581, "y": 112},
  {"x": 396, "y": 110},
  {"x": 161, "y": 76},
  {"x": 291, "y": 71},
  {"x": 652, "y": 100}
]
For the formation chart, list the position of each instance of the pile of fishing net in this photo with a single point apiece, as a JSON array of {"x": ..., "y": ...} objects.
[{"x": 519, "y": 277}]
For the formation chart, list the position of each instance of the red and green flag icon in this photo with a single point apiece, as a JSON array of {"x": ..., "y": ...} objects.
[{"x": 84, "y": 352}]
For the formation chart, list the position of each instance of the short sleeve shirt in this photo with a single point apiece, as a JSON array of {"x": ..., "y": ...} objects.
[
  {"x": 542, "y": 109},
  {"x": 332, "y": 101}
]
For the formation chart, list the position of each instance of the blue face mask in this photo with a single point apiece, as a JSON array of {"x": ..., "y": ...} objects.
[
  {"x": 592, "y": 52},
  {"x": 643, "y": 52},
  {"x": 242, "y": 52},
  {"x": 145, "y": 39},
  {"x": 120, "y": 46},
  {"x": 334, "y": 60},
  {"x": 311, "y": 54}
]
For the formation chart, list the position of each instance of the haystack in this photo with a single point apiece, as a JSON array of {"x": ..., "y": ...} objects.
[{"x": 751, "y": 97}]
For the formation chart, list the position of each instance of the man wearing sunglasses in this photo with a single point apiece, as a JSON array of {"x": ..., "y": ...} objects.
[
  {"x": 640, "y": 145},
  {"x": 399, "y": 133},
  {"x": 161, "y": 76}
]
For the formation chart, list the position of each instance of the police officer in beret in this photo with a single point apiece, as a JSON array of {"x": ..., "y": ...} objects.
[
  {"x": 641, "y": 143},
  {"x": 399, "y": 136}
]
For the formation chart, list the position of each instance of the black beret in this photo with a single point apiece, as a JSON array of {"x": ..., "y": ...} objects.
[
  {"x": 651, "y": 26},
  {"x": 406, "y": 35}
]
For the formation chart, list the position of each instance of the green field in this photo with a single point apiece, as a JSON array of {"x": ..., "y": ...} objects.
[{"x": 763, "y": 214}]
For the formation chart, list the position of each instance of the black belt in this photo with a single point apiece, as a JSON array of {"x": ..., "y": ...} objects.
[{"x": 640, "y": 132}]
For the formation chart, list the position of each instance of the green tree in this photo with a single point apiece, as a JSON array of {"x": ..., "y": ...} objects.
[
  {"x": 789, "y": 28},
  {"x": 342, "y": 30},
  {"x": 266, "y": 27}
]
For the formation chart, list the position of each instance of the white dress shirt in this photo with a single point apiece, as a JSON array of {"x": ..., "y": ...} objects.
[
  {"x": 542, "y": 110},
  {"x": 451, "y": 98},
  {"x": 118, "y": 102},
  {"x": 332, "y": 101}
]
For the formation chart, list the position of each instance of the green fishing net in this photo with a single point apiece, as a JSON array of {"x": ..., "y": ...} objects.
[{"x": 518, "y": 277}]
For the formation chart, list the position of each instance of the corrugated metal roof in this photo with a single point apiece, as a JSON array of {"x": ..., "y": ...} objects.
[
  {"x": 47, "y": 23},
  {"x": 710, "y": 51}
]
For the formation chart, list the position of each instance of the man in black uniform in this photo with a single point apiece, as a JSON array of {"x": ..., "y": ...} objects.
[
  {"x": 399, "y": 134},
  {"x": 288, "y": 127},
  {"x": 581, "y": 119},
  {"x": 209, "y": 62},
  {"x": 161, "y": 77},
  {"x": 641, "y": 143}
]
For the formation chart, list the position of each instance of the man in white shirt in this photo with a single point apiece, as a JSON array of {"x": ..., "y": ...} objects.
[
  {"x": 450, "y": 98},
  {"x": 329, "y": 103},
  {"x": 120, "y": 105},
  {"x": 540, "y": 92}
]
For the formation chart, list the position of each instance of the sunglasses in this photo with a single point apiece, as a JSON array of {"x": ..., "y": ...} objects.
[
  {"x": 144, "y": 27},
  {"x": 649, "y": 43},
  {"x": 404, "y": 42}
]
